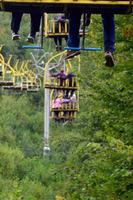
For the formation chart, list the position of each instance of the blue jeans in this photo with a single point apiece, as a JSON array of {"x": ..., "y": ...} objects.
[
  {"x": 74, "y": 25},
  {"x": 108, "y": 30}
]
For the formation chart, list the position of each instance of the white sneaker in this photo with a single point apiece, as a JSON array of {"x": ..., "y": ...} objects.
[
  {"x": 15, "y": 36},
  {"x": 30, "y": 39},
  {"x": 109, "y": 59}
]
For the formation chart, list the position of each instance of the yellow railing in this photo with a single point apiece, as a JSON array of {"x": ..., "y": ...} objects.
[
  {"x": 18, "y": 77},
  {"x": 52, "y": 28},
  {"x": 100, "y": 2}
]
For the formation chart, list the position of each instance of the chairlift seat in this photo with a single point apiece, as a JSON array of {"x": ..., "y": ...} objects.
[
  {"x": 50, "y": 34},
  {"x": 60, "y": 87},
  {"x": 63, "y": 117},
  {"x": 63, "y": 109},
  {"x": 16, "y": 88},
  {"x": 6, "y": 83},
  {"x": 24, "y": 88},
  {"x": 93, "y": 6},
  {"x": 33, "y": 90},
  {"x": 8, "y": 87}
]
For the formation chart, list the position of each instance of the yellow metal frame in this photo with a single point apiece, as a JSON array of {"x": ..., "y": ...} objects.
[
  {"x": 7, "y": 70},
  {"x": 48, "y": 80},
  {"x": 50, "y": 28},
  {"x": 20, "y": 75},
  {"x": 57, "y": 6},
  {"x": 46, "y": 71},
  {"x": 31, "y": 82},
  {"x": 91, "y": 2},
  {"x": 51, "y": 83},
  {"x": 71, "y": 106}
]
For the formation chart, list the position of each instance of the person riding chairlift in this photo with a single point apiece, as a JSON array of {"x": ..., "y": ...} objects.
[
  {"x": 34, "y": 25},
  {"x": 108, "y": 30},
  {"x": 60, "y": 21}
]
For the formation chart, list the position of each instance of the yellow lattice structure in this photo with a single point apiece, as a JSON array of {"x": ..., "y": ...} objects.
[{"x": 18, "y": 77}]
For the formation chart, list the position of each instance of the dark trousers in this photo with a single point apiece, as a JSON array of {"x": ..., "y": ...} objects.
[
  {"x": 15, "y": 21},
  {"x": 35, "y": 21},
  {"x": 108, "y": 30},
  {"x": 58, "y": 41},
  {"x": 70, "y": 77},
  {"x": 73, "y": 29}
]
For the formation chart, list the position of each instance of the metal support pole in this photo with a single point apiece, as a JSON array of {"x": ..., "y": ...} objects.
[
  {"x": 42, "y": 30},
  {"x": 46, "y": 148}
]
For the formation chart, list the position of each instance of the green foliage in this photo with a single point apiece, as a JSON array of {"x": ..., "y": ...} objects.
[
  {"x": 95, "y": 171},
  {"x": 9, "y": 160}
]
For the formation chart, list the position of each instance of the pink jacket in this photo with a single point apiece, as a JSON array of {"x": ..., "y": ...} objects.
[{"x": 56, "y": 103}]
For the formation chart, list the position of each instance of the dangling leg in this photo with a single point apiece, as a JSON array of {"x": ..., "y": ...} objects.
[
  {"x": 109, "y": 38},
  {"x": 35, "y": 26},
  {"x": 60, "y": 43},
  {"x": 73, "y": 38},
  {"x": 15, "y": 24},
  {"x": 56, "y": 43},
  {"x": 66, "y": 38}
]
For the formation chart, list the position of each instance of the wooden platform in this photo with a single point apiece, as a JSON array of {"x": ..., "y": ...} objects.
[
  {"x": 6, "y": 83},
  {"x": 16, "y": 88},
  {"x": 64, "y": 109},
  {"x": 50, "y": 34},
  {"x": 33, "y": 90},
  {"x": 60, "y": 87},
  {"x": 94, "y": 6}
]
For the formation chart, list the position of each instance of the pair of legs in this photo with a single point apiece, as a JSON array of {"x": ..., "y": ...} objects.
[
  {"x": 108, "y": 32},
  {"x": 59, "y": 28},
  {"x": 34, "y": 24},
  {"x": 58, "y": 42},
  {"x": 71, "y": 83}
]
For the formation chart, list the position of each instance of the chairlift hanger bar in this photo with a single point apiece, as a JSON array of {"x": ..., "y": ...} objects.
[
  {"x": 31, "y": 47},
  {"x": 80, "y": 48},
  {"x": 56, "y": 6}
]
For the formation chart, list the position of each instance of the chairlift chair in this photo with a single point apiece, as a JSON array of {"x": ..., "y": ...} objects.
[
  {"x": 12, "y": 87},
  {"x": 6, "y": 78},
  {"x": 50, "y": 27}
]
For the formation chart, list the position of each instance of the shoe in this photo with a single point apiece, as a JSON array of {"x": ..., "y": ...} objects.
[
  {"x": 60, "y": 48},
  {"x": 109, "y": 59},
  {"x": 56, "y": 47},
  {"x": 30, "y": 39},
  {"x": 71, "y": 54},
  {"x": 15, "y": 36}
]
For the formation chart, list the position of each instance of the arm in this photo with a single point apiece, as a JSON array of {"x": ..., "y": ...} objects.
[{"x": 55, "y": 75}]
